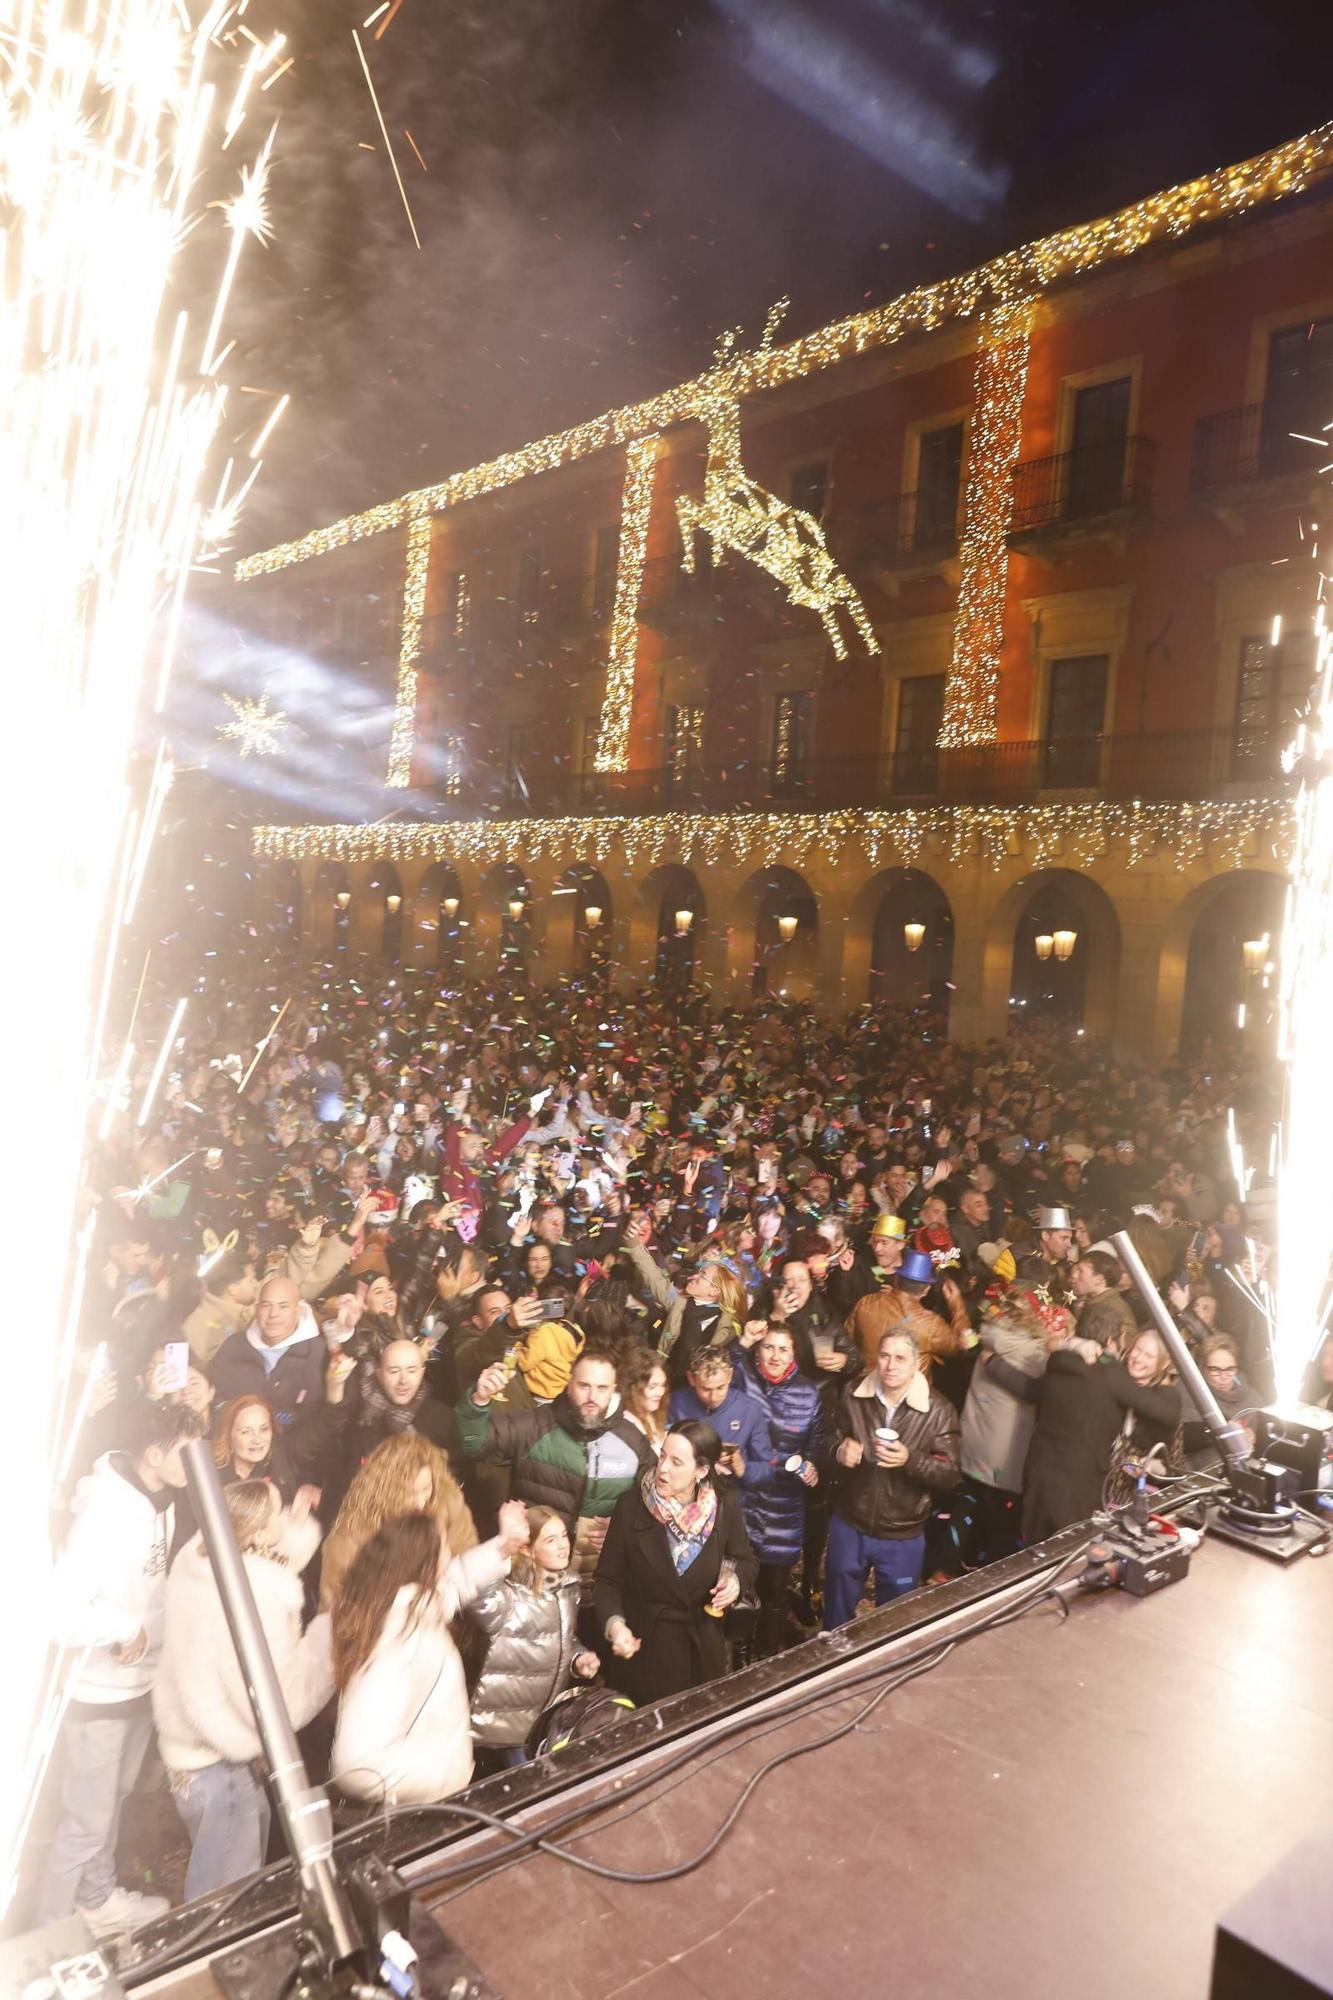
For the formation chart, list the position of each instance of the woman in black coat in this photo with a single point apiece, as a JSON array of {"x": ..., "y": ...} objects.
[
  {"x": 676, "y": 1555},
  {"x": 1081, "y": 1407}
]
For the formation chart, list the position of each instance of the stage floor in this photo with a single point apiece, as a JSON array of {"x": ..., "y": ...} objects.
[{"x": 1060, "y": 1807}]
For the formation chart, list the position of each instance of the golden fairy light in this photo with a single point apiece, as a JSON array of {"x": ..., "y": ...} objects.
[
  {"x": 995, "y": 294},
  {"x": 1226, "y": 829},
  {"x": 613, "y": 732},
  {"x": 972, "y": 686},
  {"x": 739, "y": 515},
  {"x": 110, "y": 115},
  {"x": 254, "y": 727}
]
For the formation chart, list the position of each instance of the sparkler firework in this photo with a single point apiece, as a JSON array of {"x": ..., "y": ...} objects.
[
  {"x": 1305, "y": 1236},
  {"x": 111, "y": 117}
]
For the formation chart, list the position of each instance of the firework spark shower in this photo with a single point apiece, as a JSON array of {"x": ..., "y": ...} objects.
[
  {"x": 126, "y": 128},
  {"x": 1306, "y": 1047}
]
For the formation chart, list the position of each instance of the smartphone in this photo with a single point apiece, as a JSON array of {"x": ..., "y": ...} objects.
[{"x": 175, "y": 1365}]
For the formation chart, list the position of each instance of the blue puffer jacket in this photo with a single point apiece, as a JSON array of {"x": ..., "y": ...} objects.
[
  {"x": 774, "y": 1506},
  {"x": 736, "y": 1421}
]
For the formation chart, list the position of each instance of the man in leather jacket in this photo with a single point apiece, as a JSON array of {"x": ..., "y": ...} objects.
[{"x": 896, "y": 1446}]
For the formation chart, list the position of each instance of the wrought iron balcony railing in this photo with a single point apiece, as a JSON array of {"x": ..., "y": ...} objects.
[
  {"x": 1076, "y": 488},
  {"x": 1176, "y": 765},
  {"x": 1237, "y": 448}
]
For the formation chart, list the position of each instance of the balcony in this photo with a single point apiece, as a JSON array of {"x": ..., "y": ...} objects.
[
  {"x": 914, "y": 535},
  {"x": 1191, "y": 764},
  {"x": 1098, "y": 493},
  {"x": 1248, "y": 461},
  {"x": 678, "y": 602}
]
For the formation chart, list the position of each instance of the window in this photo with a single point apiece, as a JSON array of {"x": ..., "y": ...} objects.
[
  {"x": 1272, "y": 687},
  {"x": 809, "y": 487},
  {"x": 605, "y": 560},
  {"x": 1075, "y": 716},
  {"x": 590, "y": 730},
  {"x": 528, "y": 594},
  {"x": 939, "y": 473},
  {"x": 1299, "y": 396},
  {"x": 451, "y": 765},
  {"x": 915, "y": 753},
  {"x": 793, "y": 736},
  {"x": 684, "y": 742},
  {"x": 1097, "y": 439}
]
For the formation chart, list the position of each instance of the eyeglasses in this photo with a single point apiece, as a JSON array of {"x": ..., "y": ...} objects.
[{"x": 1222, "y": 1373}]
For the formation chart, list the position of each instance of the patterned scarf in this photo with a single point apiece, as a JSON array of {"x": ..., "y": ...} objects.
[
  {"x": 688, "y": 1523},
  {"x": 376, "y": 1407}
]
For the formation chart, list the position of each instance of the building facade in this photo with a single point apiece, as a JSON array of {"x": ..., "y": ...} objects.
[{"x": 952, "y": 649}]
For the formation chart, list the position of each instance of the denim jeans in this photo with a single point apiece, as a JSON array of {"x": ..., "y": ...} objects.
[
  {"x": 852, "y": 1556},
  {"x": 102, "y": 1758},
  {"x": 226, "y": 1815}
]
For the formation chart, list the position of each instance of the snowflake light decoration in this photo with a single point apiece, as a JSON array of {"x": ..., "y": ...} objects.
[{"x": 254, "y": 726}]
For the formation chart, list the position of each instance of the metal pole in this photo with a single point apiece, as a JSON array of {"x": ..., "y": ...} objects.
[
  {"x": 1228, "y": 1437},
  {"x": 306, "y": 1813}
]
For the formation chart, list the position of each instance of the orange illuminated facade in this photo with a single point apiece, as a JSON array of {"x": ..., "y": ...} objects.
[{"x": 1077, "y": 519}]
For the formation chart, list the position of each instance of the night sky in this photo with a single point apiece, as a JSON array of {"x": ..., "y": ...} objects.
[{"x": 611, "y": 182}]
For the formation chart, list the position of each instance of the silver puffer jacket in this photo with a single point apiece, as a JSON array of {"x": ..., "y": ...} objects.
[{"x": 527, "y": 1663}]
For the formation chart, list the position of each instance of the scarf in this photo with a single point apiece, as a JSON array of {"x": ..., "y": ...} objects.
[
  {"x": 376, "y": 1407},
  {"x": 688, "y": 1523}
]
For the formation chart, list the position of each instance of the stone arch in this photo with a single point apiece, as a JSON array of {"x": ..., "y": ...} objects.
[
  {"x": 877, "y": 961},
  {"x": 281, "y": 899},
  {"x": 384, "y": 924},
  {"x": 1203, "y": 958},
  {"x": 331, "y": 909},
  {"x": 579, "y": 942},
  {"x": 504, "y": 918},
  {"x": 438, "y": 933},
  {"x": 1081, "y": 989},
  {"x": 759, "y": 958},
  {"x": 659, "y": 947}
]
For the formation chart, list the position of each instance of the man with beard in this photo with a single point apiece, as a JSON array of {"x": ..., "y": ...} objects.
[{"x": 576, "y": 1455}]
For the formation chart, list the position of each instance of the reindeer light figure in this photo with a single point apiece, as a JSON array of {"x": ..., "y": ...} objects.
[{"x": 738, "y": 513}]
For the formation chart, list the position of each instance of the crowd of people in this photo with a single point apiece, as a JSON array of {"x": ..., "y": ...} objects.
[{"x": 571, "y": 1339}]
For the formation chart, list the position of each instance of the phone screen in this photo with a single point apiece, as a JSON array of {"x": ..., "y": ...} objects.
[{"x": 175, "y": 1365}]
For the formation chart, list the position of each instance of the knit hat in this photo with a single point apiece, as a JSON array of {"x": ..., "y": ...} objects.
[
  {"x": 999, "y": 1261},
  {"x": 546, "y": 1358}
]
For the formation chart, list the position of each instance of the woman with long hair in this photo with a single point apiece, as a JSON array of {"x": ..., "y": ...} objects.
[
  {"x": 675, "y": 1557},
  {"x": 405, "y": 1474},
  {"x": 643, "y": 1388},
  {"x": 403, "y": 1735},
  {"x": 1149, "y": 1364},
  {"x": 205, "y": 1724},
  {"x": 529, "y": 1620}
]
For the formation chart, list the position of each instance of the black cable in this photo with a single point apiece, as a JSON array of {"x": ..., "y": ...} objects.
[
  {"x": 525, "y": 1842},
  {"x": 902, "y": 1671}
]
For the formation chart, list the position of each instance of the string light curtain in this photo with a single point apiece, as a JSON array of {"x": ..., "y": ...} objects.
[
  {"x": 618, "y": 700},
  {"x": 1076, "y": 835},
  {"x": 972, "y": 687}
]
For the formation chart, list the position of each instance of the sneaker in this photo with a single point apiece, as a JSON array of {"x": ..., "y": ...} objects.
[{"x": 124, "y": 1910}]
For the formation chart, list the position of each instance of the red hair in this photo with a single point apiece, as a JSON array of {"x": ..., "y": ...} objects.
[{"x": 227, "y": 1423}]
